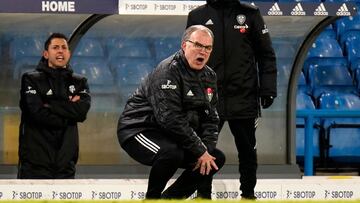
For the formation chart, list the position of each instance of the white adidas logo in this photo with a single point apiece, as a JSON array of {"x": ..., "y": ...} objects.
[
  {"x": 321, "y": 10},
  {"x": 50, "y": 92},
  {"x": 209, "y": 22},
  {"x": 298, "y": 10},
  {"x": 343, "y": 11},
  {"x": 190, "y": 94},
  {"x": 275, "y": 10}
]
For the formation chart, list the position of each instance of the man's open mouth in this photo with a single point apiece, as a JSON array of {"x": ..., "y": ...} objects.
[
  {"x": 60, "y": 58},
  {"x": 200, "y": 59}
]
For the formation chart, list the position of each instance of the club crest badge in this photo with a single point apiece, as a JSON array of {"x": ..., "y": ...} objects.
[
  {"x": 241, "y": 19},
  {"x": 209, "y": 93},
  {"x": 72, "y": 89}
]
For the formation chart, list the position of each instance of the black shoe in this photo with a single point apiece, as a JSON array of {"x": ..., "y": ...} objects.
[
  {"x": 203, "y": 195},
  {"x": 248, "y": 197}
]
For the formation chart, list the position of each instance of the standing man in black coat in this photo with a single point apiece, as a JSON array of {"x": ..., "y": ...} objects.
[
  {"x": 52, "y": 100},
  {"x": 245, "y": 64}
]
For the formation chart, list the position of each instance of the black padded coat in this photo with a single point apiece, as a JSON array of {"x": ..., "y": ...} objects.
[
  {"x": 242, "y": 57},
  {"x": 48, "y": 129},
  {"x": 179, "y": 101}
]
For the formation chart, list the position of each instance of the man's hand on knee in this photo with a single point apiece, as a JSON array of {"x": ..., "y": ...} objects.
[{"x": 205, "y": 164}]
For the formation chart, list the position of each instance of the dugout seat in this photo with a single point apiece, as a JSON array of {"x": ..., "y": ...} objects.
[
  {"x": 25, "y": 52},
  {"x": 89, "y": 46},
  {"x": 343, "y": 134},
  {"x": 304, "y": 102},
  {"x": 353, "y": 51},
  {"x": 130, "y": 72},
  {"x": 128, "y": 47},
  {"x": 101, "y": 82},
  {"x": 347, "y": 38},
  {"x": 346, "y": 23},
  {"x": 165, "y": 46}
]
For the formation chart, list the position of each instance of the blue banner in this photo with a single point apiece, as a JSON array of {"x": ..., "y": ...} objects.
[
  {"x": 69, "y": 7},
  {"x": 170, "y": 7}
]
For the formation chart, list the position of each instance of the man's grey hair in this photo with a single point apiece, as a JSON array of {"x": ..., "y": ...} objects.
[{"x": 194, "y": 28}]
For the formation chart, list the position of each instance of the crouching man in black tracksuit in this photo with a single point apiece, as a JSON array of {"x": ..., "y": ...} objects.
[
  {"x": 53, "y": 99},
  {"x": 171, "y": 122}
]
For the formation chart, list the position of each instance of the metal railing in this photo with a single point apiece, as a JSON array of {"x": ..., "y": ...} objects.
[{"x": 309, "y": 116}]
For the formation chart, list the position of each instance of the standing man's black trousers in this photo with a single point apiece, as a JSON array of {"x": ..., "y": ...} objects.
[{"x": 243, "y": 131}]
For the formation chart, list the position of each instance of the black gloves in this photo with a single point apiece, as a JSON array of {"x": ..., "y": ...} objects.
[{"x": 266, "y": 101}]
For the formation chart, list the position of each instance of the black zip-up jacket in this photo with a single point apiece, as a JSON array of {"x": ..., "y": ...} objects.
[
  {"x": 48, "y": 130},
  {"x": 242, "y": 57},
  {"x": 178, "y": 100}
]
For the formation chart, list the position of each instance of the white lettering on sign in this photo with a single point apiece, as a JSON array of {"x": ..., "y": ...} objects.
[
  {"x": 189, "y": 7},
  {"x": 158, "y": 7},
  {"x": 169, "y": 7},
  {"x": 136, "y": 6},
  {"x": 58, "y": 6}
]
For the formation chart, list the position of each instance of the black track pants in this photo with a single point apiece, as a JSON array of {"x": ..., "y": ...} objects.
[{"x": 155, "y": 149}]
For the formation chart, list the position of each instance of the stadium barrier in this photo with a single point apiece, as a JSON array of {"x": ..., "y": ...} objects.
[{"x": 308, "y": 188}]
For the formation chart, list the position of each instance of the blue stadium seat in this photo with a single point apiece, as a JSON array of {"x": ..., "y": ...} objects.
[
  {"x": 123, "y": 50},
  {"x": 302, "y": 80},
  {"x": 25, "y": 52},
  {"x": 327, "y": 34},
  {"x": 314, "y": 62},
  {"x": 324, "y": 51},
  {"x": 101, "y": 82},
  {"x": 166, "y": 46},
  {"x": 348, "y": 37},
  {"x": 128, "y": 47},
  {"x": 329, "y": 27},
  {"x": 304, "y": 102},
  {"x": 94, "y": 68},
  {"x": 23, "y": 46},
  {"x": 89, "y": 46},
  {"x": 325, "y": 47},
  {"x": 130, "y": 72},
  {"x": 357, "y": 78},
  {"x": 346, "y": 23},
  {"x": 335, "y": 78},
  {"x": 302, "y": 84},
  {"x": 343, "y": 133},
  {"x": 355, "y": 65},
  {"x": 353, "y": 51}
]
